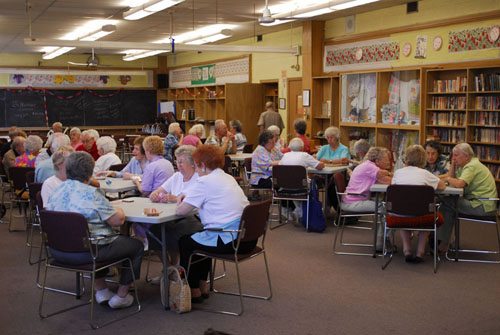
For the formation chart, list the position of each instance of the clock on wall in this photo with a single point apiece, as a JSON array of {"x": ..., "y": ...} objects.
[
  {"x": 437, "y": 43},
  {"x": 406, "y": 49},
  {"x": 493, "y": 34}
]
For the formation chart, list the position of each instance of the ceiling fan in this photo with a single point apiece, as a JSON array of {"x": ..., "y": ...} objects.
[
  {"x": 92, "y": 62},
  {"x": 268, "y": 18}
]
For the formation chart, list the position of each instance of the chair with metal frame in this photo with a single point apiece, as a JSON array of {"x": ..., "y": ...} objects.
[
  {"x": 247, "y": 173},
  {"x": 68, "y": 232},
  {"x": 19, "y": 194},
  {"x": 117, "y": 167},
  {"x": 419, "y": 214},
  {"x": 34, "y": 218},
  {"x": 340, "y": 188},
  {"x": 290, "y": 183},
  {"x": 253, "y": 227},
  {"x": 248, "y": 148},
  {"x": 489, "y": 220}
]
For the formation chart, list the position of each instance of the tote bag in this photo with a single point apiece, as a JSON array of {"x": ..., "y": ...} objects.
[{"x": 317, "y": 221}]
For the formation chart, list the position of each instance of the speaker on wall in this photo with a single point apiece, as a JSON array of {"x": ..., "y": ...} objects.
[{"x": 162, "y": 80}]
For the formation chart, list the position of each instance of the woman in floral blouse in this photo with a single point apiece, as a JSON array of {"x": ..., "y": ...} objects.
[{"x": 32, "y": 148}]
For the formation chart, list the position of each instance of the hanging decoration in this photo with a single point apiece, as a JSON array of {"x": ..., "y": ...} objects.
[{"x": 472, "y": 39}]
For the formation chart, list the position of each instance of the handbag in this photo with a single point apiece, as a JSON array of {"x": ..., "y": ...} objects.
[
  {"x": 179, "y": 299},
  {"x": 317, "y": 221}
]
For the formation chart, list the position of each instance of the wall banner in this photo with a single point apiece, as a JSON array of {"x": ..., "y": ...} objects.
[{"x": 203, "y": 75}]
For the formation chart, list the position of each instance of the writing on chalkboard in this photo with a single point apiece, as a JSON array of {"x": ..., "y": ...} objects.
[{"x": 40, "y": 108}]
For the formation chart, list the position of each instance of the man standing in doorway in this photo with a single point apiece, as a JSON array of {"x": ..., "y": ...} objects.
[{"x": 269, "y": 118}]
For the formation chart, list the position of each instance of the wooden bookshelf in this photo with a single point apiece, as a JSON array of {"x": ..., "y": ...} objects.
[
  {"x": 324, "y": 106},
  {"x": 270, "y": 90}
]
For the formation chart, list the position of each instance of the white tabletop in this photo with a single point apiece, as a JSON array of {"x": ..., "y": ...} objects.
[
  {"x": 328, "y": 169},
  {"x": 380, "y": 188},
  {"x": 134, "y": 210},
  {"x": 116, "y": 185},
  {"x": 239, "y": 157}
]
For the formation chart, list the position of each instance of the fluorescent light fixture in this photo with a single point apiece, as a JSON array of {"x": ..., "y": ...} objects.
[
  {"x": 275, "y": 23},
  {"x": 104, "y": 31},
  {"x": 149, "y": 8},
  {"x": 57, "y": 52},
  {"x": 316, "y": 12},
  {"x": 205, "y": 34},
  {"x": 352, "y": 3},
  {"x": 137, "y": 54}
]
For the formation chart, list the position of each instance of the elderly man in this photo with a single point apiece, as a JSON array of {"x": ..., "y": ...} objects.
[
  {"x": 44, "y": 168},
  {"x": 222, "y": 138},
  {"x": 57, "y": 127},
  {"x": 13, "y": 132},
  {"x": 89, "y": 138},
  {"x": 475, "y": 178},
  {"x": 269, "y": 118},
  {"x": 17, "y": 149},
  {"x": 173, "y": 138}
]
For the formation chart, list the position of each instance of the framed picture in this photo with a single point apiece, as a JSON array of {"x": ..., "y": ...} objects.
[
  {"x": 306, "y": 102},
  {"x": 282, "y": 103}
]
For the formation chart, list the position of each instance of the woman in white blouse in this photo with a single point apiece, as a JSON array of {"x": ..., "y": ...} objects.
[
  {"x": 106, "y": 147},
  {"x": 52, "y": 183}
]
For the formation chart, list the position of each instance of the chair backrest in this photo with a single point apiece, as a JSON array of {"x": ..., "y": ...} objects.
[
  {"x": 248, "y": 149},
  {"x": 64, "y": 231},
  {"x": 34, "y": 189},
  {"x": 422, "y": 200},
  {"x": 17, "y": 175},
  {"x": 340, "y": 182},
  {"x": 117, "y": 167},
  {"x": 247, "y": 166},
  {"x": 30, "y": 177},
  {"x": 289, "y": 177},
  {"x": 254, "y": 220},
  {"x": 228, "y": 165},
  {"x": 39, "y": 201}
]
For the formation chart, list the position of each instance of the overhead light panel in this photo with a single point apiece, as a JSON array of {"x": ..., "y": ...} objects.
[
  {"x": 57, "y": 52},
  {"x": 137, "y": 54},
  {"x": 351, "y": 3},
  {"x": 316, "y": 12},
  {"x": 149, "y": 8},
  {"x": 205, "y": 34},
  {"x": 104, "y": 31}
]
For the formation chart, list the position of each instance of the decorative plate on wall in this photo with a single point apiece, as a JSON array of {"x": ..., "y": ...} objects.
[
  {"x": 359, "y": 54},
  {"x": 493, "y": 34},
  {"x": 406, "y": 49},
  {"x": 437, "y": 43}
]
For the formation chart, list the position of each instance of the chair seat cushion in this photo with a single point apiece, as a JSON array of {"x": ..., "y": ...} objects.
[
  {"x": 424, "y": 221},
  {"x": 490, "y": 217},
  {"x": 230, "y": 257}
]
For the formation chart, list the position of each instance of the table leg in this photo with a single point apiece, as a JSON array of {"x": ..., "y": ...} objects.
[
  {"x": 166, "y": 281},
  {"x": 327, "y": 184},
  {"x": 375, "y": 225},
  {"x": 457, "y": 229}
]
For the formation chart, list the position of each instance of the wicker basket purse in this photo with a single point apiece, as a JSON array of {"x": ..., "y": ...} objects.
[{"x": 180, "y": 293}]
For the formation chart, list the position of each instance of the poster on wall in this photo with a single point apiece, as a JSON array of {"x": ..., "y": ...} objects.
[
  {"x": 203, "y": 75},
  {"x": 421, "y": 47}
]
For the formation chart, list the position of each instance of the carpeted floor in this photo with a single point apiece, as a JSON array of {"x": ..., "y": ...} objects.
[{"x": 315, "y": 292}]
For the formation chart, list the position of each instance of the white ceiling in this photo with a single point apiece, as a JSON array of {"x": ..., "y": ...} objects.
[{"x": 54, "y": 18}]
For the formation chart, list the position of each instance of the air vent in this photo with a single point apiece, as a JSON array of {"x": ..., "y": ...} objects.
[
  {"x": 412, "y": 7},
  {"x": 259, "y": 38}
]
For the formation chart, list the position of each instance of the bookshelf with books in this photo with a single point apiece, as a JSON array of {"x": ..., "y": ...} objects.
[
  {"x": 325, "y": 102},
  {"x": 205, "y": 104}
]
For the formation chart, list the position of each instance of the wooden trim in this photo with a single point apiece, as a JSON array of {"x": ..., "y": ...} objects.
[
  {"x": 214, "y": 61},
  {"x": 412, "y": 27},
  {"x": 269, "y": 81}
]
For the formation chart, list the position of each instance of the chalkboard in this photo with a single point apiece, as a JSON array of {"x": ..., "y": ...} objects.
[{"x": 30, "y": 108}]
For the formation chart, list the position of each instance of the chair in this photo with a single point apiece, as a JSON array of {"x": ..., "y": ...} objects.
[
  {"x": 19, "y": 195},
  {"x": 340, "y": 188},
  {"x": 420, "y": 214},
  {"x": 248, "y": 149},
  {"x": 454, "y": 254},
  {"x": 34, "y": 220},
  {"x": 253, "y": 226},
  {"x": 247, "y": 173},
  {"x": 68, "y": 232},
  {"x": 30, "y": 177},
  {"x": 290, "y": 183},
  {"x": 117, "y": 167}
]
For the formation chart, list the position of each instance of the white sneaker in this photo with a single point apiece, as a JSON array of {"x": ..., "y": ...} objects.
[
  {"x": 103, "y": 296},
  {"x": 155, "y": 280},
  {"x": 118, "y": 302}
]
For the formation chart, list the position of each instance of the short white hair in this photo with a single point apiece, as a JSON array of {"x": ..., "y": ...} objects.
[
  {"x": 107, "y": 144},
  {"x": 75, "y": 130},
  {"x": 91, "y": 133},
  {"x": 219, "y": 123},
  {"x": 197, "y": 130},
  {"x": 465, "y": 148},
  {"x": 33, "y": 143},
  {"x": 58, "y": 140},
  {"x": 173, "y": 127},
  {"x": 296, "y": 144},
  {"x": 332, "y": 131},
  {"x": 274, "y": 129}
]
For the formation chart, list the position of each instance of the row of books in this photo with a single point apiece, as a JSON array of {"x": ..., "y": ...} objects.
[
  {"x": 451, "y": 85},
  {"x": 487, "y": 152},
  {"x": 448, "y": 119},
  {"x": 449, "y": 102},
  {"x": 486, "y": 135},
  {"x": 487, "y": 118},
  {"x": 449, "y": 135},
  {"x": 489, "y": 102},
  {"x": 487, "y": 82},
  {"x": 495, "y": 170}
]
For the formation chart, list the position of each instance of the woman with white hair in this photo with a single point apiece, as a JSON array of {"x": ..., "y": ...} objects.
[
  {"x": 276, "y": 153},
  {"x": 194, "y": 136},
  {"x": 75, "y": 134},
  {"x": 32, "y": 147},
  {"x": 106, "y": 147},
  {"x": 52, "y": 183},
  {"x": 334, "y": 152},
  {"x": 173, "y": 138}
]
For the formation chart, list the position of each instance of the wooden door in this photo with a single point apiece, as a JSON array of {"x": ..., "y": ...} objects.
[{"x": 295, "y": 109}]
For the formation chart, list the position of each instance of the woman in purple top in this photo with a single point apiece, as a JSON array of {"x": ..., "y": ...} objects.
[{"x": 158, "y": 169}]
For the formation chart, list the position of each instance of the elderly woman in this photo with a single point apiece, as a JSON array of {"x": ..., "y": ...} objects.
[
  {"x": 239, "y": 138},
  {"x": 32, "y": 147},
  {"x": 300, "y": 127},
  {"x": 179, "y": 184},
  {"x": 334, "y": 152},
  {"x": 52, "y": 183},
  {"x": 17, "y": 149},
  {"x": 158, "y": 169},
  {"x": 262, "y": 161},
  {"x": 475, "y": 178},
  {"x": 414, "y": 174},
  {"x": 276, "y": 153},
  {"x": 173, "y": 138},
  {"x": 89, "y": 138},
  {"x": 437, "y": 163},
  {"x": 194, "y": 135},
  {"x": 75, "y": 135},
  {"x": 75, "y": 195},
  {"x": 44, "y": 167},
  {"x": 106, "y": 148},
  {"x": 134, "y": 168},
  {"x": 220, "y": 208}
]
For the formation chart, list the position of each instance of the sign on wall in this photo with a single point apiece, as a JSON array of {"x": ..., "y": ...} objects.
[{"x": 203, "y": 75}]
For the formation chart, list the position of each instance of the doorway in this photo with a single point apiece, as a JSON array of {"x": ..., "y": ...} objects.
[{"x": 295, "y": 109}]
